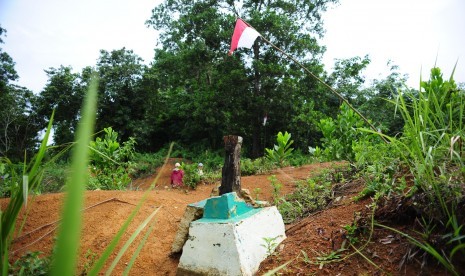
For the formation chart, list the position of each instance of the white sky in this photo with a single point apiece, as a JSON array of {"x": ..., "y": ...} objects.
[
  {"x": 411, "y": 33},
  {"x": 414, "y": 34},
  {"x": 49, "y": 33}
]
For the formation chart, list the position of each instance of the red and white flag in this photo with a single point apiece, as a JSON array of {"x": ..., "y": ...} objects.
[{"x": 243, "y": 37}]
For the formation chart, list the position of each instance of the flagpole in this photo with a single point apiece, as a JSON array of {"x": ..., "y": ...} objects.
[
  {"x": 319, "y": 80},
  {"x": 325, "y": 84}
]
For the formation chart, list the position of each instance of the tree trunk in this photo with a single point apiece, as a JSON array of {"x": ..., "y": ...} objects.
[{"x": 231, "y": 174}]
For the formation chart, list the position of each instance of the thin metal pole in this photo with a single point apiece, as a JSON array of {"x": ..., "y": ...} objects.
[{"x": 322, "y": 82}]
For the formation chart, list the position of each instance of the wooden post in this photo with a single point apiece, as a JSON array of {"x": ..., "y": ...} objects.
[{"x": 231, "y": 174}]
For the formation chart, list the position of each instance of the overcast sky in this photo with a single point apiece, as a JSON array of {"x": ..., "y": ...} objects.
[
  {"x": 411, "y": 33},
  {"x": 414, "y": 34}
]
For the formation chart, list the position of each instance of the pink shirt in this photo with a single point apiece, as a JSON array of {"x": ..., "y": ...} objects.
[{"x": 176, "y": 177}]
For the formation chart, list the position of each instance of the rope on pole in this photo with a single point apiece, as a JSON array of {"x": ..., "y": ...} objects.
[{"x": 322, "y": 82}]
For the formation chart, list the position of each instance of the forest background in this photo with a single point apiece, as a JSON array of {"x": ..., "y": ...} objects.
[{"x": 192, "y": 93}]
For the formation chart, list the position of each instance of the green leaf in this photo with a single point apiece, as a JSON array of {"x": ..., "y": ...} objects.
[
  {"x": 130, "y": 241},
  {"x": 67, "y": 244}
]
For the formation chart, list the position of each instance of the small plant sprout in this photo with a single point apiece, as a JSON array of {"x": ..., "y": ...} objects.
[
  {"x": 270, "y": 245},
  {"x": 257, "y": 192},
  {"x": 351, "y": 232},
  {"x": 282, "y": 151},
  {"x": 277, "y": 186},
  {"x": 332, "y": 256}
]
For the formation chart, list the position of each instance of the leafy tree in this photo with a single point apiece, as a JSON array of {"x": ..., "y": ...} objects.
[
  {"x": 7, "y": 70},
  {"x": 214, "y": 94},
  {"x": 121, "y": 103},
  {"x": 64, "y": 93},
  {"x": 347, "y": 78},
  {"x": 378, "y": 105},
  {"x": 18, "y": 125}
]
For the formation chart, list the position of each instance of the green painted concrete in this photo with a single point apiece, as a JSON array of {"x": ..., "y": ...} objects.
[
  {"x": 199, "y": 204},
  {"x": 227, "y": 206},
  {"x": 230, "y": 220}
]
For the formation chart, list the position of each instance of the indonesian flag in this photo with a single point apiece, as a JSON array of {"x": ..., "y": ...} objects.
[{"x": 244, "y": 36}]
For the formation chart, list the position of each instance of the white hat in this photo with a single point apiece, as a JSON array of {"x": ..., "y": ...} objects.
[
  {"x": 200, "y": 165},
  {"x": 177, "y": 165}
]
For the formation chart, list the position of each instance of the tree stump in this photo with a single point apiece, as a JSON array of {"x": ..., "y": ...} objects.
[{"x": 231, "y": 173}]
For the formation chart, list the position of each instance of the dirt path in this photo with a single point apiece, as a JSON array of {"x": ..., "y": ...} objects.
[{"x": 318, "y": 235}]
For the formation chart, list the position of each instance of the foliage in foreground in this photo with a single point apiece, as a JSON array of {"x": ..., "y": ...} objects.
[
  {"x": 64, "y": 258},
  {"x": 31, "y": 176},
  {"x": 426, "y": 165},
  {"x": 31, "y": 264}
]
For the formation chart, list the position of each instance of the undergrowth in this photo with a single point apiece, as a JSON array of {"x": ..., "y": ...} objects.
[
  {"x": 423, "y": 167},
  {"x": 310, "y": 195}
]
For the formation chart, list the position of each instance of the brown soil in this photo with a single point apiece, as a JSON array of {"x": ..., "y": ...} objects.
[{"x": 319, "y": 236}]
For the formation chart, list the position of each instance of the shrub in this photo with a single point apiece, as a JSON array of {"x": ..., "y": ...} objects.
[
  {"x": 282, "y": 151},
  {"x": 31, "y": 264},
  {"x": 342, "y": 134},
  {"x": 298, "y": 158},
  {"x": 110, "y": 162},
  {"x": 191, "y": 175},
  {"x": 257, "y": 166},
  {"x": 310, "y": 195},
  {"x": 54, "y": 177},
  {"x": 144, "y": 164}
]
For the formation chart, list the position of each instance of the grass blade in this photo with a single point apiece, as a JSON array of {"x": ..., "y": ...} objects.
[
  {"x": 25, "y": 188},
  {"x": 426, "y": 247},
  {"x": 67, "y": 245},
  {"x": 275, "y": 270},
  {"x": 10, "y": 215},
  {"x": 106, "y": 254},
  {"x": 139, "y": 248},
  {"x": 130, "y": 241}
]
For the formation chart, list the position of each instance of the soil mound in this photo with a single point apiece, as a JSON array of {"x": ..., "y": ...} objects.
[{"x": 319, "y": 236}]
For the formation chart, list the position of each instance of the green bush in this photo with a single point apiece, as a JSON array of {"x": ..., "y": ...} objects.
[
  {"x": 298, "y": 158},
  {"x": 211, "y": 160},
  {"x": 31, "y": 264},
  {"x": 54, "y": 177},
  {"x": 281, "y": 152},
  {"x": 110, "y": 162},
  {"x": 109, "y": 179},
  {"x": 257, "y": 166},
  {"x": 191, "y": 175},
  {"x": 144, "y": 164},
  {"x": 342, "y": 134},
  {"x": 310, "y": 195}
]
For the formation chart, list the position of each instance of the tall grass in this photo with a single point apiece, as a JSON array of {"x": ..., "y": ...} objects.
[
  {"x": 433, "y": 120},
  {"x": 431, "y": 148},
  {"x": 29, "y": 180}
]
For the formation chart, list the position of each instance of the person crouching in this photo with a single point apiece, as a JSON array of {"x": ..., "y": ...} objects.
[{"x": 176, "y": 176}]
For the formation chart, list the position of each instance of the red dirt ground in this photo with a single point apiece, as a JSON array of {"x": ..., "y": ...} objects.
[{"x": 318, "y": 235}]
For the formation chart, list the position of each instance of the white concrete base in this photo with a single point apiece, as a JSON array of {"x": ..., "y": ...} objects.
[{"x": 230, "y": 246}]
